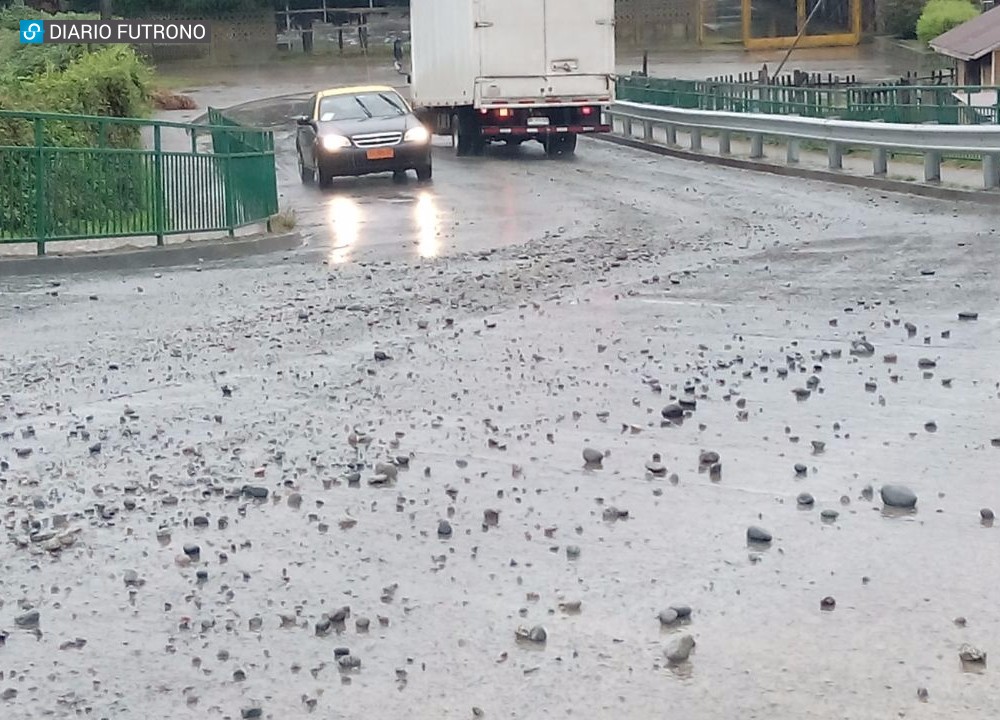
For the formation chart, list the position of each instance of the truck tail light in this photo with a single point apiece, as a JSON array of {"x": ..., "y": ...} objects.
[
  {"x": 504, "y": 113},
  {"x": 587, "y": 110}
]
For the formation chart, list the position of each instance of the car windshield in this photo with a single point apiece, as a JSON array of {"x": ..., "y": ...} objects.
[{"x": 361, "y": 106}]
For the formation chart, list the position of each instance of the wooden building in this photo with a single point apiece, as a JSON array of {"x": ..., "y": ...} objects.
[{"x": 975, "y": 48}]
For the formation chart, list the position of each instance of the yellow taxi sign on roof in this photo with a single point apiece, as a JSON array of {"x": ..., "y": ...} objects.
[{"x": 357, "y": 89}]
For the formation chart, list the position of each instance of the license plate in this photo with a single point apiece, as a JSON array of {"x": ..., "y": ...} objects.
[
  {"x": 381, "y": 154},
  {"x": 535, "y": 121}
]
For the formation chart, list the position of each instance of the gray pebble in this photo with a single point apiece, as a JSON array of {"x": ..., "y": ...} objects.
[
  {"x": 444, "y": 529},
  {"x": 672, "y": 411},
  {"x": 668, "y": 616},
  {"x": 572, "y": 552},
  {"x": 898, "y": 496},
  {"x": 28, "y": 620},
  {"x": 805, "y": 499},
  {"x": 971, "y": 654},
  {"x": 683, "y": 611},
  {"x": 708, "y": 457},
  {"x": 829, "y": 515},
  {"x": 680, "y": 649},
  {"x": 758, "y": 535},
  {"x": 592, "y": 456},
  {"x": 349, "y": 662}
]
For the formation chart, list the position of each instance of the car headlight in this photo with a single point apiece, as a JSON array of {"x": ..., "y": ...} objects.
[
  {"x": 335, "y": 142},
  {"x": 418, "y": 134}
]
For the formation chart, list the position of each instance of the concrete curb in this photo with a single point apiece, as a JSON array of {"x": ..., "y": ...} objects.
[
  {"x": 188, "y": 253},
  {"x": 858, "y": 181}
]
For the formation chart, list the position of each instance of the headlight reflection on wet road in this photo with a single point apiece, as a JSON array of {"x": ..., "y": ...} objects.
[
  {"x": 425, "y": 215},
  {"x": 344, "y": 219}
]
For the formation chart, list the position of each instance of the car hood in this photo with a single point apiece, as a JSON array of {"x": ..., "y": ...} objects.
[{"x": 349, "y": 128}]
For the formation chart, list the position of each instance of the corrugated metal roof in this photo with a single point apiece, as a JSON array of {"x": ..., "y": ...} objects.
[{"x": 973, "y": 39}]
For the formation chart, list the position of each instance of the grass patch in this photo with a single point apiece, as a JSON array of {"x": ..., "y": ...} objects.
[{"x": 283, "y": 221}]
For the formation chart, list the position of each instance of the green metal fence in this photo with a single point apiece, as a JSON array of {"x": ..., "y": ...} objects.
[
  {"x": 949, "y": 105},
  {"x": 75, "y": 177}
]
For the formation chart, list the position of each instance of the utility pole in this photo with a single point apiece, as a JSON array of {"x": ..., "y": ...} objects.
[{"x": 105, "y": 9}]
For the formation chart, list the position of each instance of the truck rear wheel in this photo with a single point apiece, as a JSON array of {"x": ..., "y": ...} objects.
[
  {"x": 465, "y": 137},
  {"x": 556, "y": 145},
  {"x": 460, "y": 136}
]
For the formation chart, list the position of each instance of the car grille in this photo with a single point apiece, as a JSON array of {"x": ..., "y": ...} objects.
[{"x": 372, "y": 140}]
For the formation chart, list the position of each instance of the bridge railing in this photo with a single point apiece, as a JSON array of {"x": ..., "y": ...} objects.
[
  {"x": 78, "y": 177},
  {"x": 933, "y": 142},
  {"x": 943, "y": 104}
]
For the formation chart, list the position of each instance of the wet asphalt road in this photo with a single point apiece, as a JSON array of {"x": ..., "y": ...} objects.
[{"x": 526, "y": 309}]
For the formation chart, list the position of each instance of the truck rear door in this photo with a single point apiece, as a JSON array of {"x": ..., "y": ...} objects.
[
  {"x": 511, "y": 38},
  {"x": 579, "y": 37}
]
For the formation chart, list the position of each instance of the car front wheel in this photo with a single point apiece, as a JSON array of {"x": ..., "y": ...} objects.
[
  {"x": 424, "y": 172},
  {"x": 308, "y": 175}
]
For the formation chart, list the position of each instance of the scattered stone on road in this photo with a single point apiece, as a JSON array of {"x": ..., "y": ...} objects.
[
  {"x": 757, "y": 534},
  {"x": 679, "y": 650},
  {"x": 898, "y": 496}
]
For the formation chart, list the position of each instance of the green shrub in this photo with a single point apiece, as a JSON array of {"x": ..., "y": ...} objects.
[
  {"x": 83, "y": 192},
  {"x": 940, "y": 16},
  {"x": 900, "y": 17}
]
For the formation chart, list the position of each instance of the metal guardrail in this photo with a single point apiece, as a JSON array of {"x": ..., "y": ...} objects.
[
  {"x": 930, "y": 141},
  {"x": 947, "y": 105},
  {"x": 77, "y": 177}
]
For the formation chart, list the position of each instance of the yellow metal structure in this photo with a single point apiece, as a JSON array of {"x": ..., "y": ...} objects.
[{"x": 851, "y": 37}]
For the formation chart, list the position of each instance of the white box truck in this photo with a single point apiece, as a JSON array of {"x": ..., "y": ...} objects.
[{"x": 512, "y": 70}]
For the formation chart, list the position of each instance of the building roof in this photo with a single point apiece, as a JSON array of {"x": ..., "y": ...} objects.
[{"x": 971, "y": 40}]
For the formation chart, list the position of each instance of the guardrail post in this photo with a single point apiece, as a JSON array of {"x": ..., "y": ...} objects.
[
  {"x": 880, "y": 161},
  {"x": 991, "y": 171},
  {"x": 627, "y": 127},
  {"x": 671, "y": 134},
  {"x": 696, "y": 139},
  {"x": 756, "y": 146},
  {"x": 647, "y": 130},
  {"x": 725, "y": 144},
  {"x": 227, "y": 187},
  {"x": 932, "y": 166},
  {"x": 41, "y": 227},
  {"x": 835, "y": 156},
  {"x": 158, "y": 190},
  {"x": 792, "y": 151}
]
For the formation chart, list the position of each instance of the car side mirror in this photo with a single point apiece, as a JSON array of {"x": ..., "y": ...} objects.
[{"x": 303, "y": 120}]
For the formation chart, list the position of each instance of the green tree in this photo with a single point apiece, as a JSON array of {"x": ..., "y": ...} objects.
[
  {"x": 940, "y": 16},
  {"x": 900, "y": 17}
]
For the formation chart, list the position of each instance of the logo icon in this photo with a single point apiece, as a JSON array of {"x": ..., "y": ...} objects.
[{"x": 32, "y": 32}]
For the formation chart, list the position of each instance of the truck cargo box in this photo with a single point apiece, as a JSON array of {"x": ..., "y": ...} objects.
[{"x": 494, "y": 53}]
